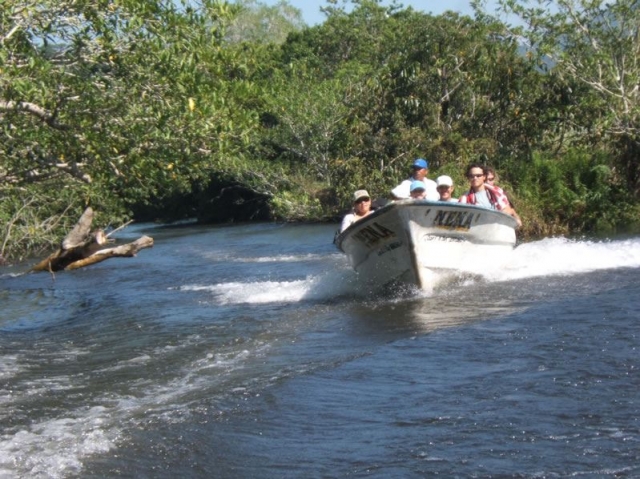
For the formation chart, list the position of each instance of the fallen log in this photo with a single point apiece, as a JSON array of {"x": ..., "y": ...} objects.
[{"x": 82, "y": 247}]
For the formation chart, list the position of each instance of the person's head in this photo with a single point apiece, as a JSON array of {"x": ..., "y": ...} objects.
[
  {"x": 492, "y": 176},
  {"x": 418, "y": 190},
  {"x": 444, "y": 185},
  {"x": 476, "y": 176},
  {"x": 361, "y": 202},
  {"x": 420, "y": 169}
]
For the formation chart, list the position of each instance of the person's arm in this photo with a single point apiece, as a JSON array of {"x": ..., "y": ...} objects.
[
  {"x": 346, "y": 222},
  {"x": 503, "y": 203},
  {"x": 510, "y": 211},
  {"x": 401, "y": 192}
]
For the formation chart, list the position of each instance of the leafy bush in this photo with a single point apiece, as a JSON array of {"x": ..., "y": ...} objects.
[{"x": 579, "y": 192}]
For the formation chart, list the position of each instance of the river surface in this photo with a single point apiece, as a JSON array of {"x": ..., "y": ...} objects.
[{"x": 252, "y": 351}]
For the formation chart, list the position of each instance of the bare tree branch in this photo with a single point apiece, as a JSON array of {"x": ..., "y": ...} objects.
[{"x": 33, "y": 109}]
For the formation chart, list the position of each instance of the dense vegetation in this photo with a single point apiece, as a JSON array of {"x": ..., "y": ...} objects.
[{"x": 168, "y": 109}]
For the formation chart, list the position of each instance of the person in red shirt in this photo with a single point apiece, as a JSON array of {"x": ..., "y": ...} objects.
[
  {"x": 491, "y": 179},
  {"x": 482, "y": 194}
]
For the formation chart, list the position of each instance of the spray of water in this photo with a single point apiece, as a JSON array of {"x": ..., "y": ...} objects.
[{"x": 547, "y": 257}]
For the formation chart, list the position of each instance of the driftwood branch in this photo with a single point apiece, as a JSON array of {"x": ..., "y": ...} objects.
[
  {"x": 123, "y": 251},
  {"x": 79, "y": 235},
  {"x": 82, "y": 247}
]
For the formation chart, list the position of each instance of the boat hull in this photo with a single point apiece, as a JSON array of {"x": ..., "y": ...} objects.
[{"x": 406, "y": 241}]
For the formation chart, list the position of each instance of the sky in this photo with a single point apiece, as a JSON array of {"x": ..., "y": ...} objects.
[{"x": 312, "y": 16}]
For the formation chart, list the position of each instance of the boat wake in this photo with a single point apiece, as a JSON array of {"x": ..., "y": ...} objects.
[
  {"x": 547, "y": 257},
  {"x": 565, "y": 257},
  {"x": 318, "y": 288}
]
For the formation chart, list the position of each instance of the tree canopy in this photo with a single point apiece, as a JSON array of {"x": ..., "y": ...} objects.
[{"x": 223, "y": 111}]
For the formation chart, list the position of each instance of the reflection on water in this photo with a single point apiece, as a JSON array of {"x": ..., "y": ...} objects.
[{"x": 449, "y": 315}]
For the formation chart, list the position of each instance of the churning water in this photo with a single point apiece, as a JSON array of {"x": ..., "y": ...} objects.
[{"x": 252, "y": 351}]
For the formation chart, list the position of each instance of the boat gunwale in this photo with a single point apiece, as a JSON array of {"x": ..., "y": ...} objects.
[{"x": 415, "y": 203}]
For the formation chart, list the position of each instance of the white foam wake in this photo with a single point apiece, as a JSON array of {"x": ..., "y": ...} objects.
[
  {"x": 547, "y": 257},
  {"x": 313, "y": 288},
  {"x": 291, "y": 258},
  {"x": 561, "y": 256},
  {"x": 56, "y": 447}
]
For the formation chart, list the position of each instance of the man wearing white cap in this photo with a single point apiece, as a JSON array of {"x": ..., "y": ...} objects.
[
  {"x": 420, "y": 171},
  {"x": 361, "y": 208},
  {"x": 444, "y": 184}
]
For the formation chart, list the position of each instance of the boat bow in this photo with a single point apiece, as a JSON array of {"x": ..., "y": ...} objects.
[{"x": 405, "y": 241}]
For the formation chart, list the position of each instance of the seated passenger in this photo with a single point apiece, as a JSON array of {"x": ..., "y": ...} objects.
[
  {"x": 484, "y": 195},
  {"x": 418, "y": 190},
  {"x": 445, "y": 188},
  {"x": 420, "y": 170},
  {"x": 491, "y": 179},
  {"x": 361, "y": 208}
]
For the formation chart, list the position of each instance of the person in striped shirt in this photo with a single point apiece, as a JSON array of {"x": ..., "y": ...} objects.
[{"x": 482, "y": 194}]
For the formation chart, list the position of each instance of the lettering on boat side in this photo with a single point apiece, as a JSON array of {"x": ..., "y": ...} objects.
[
  {"x": 373, "y": 234},
  {"x": 389, "y": 247},
  {"x": 453, "y": 220}
]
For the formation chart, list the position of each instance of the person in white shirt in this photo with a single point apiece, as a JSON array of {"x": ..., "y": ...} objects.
[
  {"x": 420, "y": 172},
  {"x": 361, "y": 208},
  {"x": 444, "y": 184}
]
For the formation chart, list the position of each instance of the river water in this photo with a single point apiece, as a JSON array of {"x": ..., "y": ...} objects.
[{"x": 252, "y": 352}]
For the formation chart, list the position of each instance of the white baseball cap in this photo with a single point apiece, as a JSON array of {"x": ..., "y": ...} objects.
[{"x": 444, "y": 180}]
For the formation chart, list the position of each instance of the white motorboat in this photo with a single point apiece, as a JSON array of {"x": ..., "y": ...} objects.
[{"x": 406, "y": 241}]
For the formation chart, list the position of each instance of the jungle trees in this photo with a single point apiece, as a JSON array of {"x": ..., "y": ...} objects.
[
  {"x": 447, "y": 87},
  {"x": 593, "y": 47},
  {"x": 110, "y": 103}
]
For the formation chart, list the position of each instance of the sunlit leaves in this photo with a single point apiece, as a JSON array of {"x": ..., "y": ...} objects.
[
  {"x": 594, "y": 45},
  {"x": 121, "y": 90}
]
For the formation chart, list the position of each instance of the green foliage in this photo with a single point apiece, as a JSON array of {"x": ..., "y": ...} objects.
[
  {"x": 397, "y": 84},
  {"x": 127, "y": 105},
  {"x": 290, "y": 206},
  {"x": 257, "y": 22},
  {"x": 595, "y": 45},
  {"x": 121, "y": 102},
  {"x": 453, "y": 90},
  {"x": 580, "y": 192},
  {"x": 33, "y": 220}
]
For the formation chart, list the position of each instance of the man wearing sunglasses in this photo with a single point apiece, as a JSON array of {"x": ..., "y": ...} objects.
[
  {"x": 361, "y": 208},
  {"x": 482, "y": 194}
]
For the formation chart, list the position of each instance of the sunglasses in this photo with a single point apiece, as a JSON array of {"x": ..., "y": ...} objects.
[
  {"x": 475, "y": 176},
  {"x": 362, "y": 200},
  {"x": 490, "y": 179}
]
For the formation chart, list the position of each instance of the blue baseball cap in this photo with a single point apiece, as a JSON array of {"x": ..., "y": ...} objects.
[
  {"x": 417, "y": 185},
  {"x": 420, "y": 163}
]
